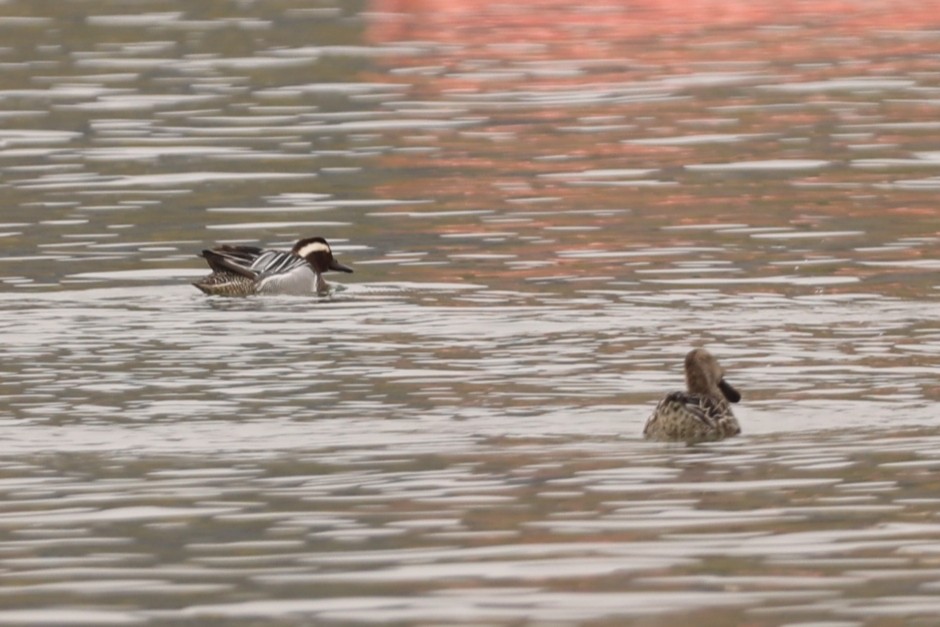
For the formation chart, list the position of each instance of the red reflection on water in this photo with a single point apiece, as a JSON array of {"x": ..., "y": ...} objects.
[
  {"x": 521, "y": 69},
  {"x": 490, "y": 21}
]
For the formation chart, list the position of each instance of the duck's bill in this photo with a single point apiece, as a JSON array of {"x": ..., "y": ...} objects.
[
  {"x": 730, "y": 393},
  {"x": 335, "y": 265}
]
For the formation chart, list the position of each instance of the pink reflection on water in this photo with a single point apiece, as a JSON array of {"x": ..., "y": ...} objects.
[
  {"x": 560, "y": 87},
  {"x": 595, "y": 26}
]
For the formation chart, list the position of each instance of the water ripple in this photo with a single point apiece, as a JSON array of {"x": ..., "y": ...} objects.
[{"x": 539, "y": 231}]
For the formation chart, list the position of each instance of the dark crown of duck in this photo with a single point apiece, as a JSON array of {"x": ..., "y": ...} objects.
[{"x": 318, "y": 254}]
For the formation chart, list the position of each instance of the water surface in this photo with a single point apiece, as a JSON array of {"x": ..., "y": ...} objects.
[{"x": 546, "y": 206}]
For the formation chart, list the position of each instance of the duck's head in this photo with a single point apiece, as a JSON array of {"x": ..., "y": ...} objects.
[
  {"x": 318, "y": 254},
  {"x": 704, "y": 375}
]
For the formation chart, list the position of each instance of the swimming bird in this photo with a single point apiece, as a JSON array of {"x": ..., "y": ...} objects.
[
  {"x": 703, "y": 412},
  {"x": 247, "y": 270}
]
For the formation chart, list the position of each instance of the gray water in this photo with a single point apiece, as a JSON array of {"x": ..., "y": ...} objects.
[{"x": 545, "y": 206}]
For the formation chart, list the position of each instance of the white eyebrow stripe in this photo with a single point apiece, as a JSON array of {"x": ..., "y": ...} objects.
[{"x": 313, "y": 247}]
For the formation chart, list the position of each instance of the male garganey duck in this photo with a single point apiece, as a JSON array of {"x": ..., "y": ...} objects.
[{"x": 247, "y": 270}]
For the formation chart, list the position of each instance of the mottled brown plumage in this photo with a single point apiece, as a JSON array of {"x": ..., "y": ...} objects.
[{"x": 702, "y": 412}]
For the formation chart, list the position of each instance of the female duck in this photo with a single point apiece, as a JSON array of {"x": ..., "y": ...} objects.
[
  {"x": 247, "y": 270},
  {"x": 703, "y": 412}
]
